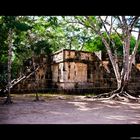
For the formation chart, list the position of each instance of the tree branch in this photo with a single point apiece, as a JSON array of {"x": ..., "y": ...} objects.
[
  {"x": 114, "y": 29},
  {"x": 136, "y": 18},
  {"x": 136, "y": 46}
]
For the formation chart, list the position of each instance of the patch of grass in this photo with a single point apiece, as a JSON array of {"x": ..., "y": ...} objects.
[{"x": 50, "y": 95}]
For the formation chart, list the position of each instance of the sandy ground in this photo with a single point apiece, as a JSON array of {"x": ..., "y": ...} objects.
[{"x": 67, "y": 110}]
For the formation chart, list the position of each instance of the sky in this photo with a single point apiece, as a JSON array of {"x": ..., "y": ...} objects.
[{"x": 135, "y": 34}]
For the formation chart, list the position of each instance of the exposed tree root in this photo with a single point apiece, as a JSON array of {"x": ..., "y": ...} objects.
[
  {"x": 117, "y": 95},
  {"x": 105, "y": 95}
]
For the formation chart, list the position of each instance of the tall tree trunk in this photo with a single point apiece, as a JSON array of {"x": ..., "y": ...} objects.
[
  {"x": 36, "y": 82},
  {"x": 132, "y": 56},
  {"x": 122, "y": 75},
  {"x": 10, "y": 36},
  {"x": 122, "y": 85}
]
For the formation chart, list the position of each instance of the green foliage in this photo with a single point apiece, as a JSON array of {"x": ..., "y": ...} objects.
[
  {"x": 16, "y": 68},
  {"x": 22, "y": 26},
  {"x": 9, "y": 21},
  {"x": 18, "y": 25},
  {"x": 96, "y": 44},
  {"x": 42, "y": 47},
  {"x": 46, "y": 34},
  {"x": 3, "y": 74}
]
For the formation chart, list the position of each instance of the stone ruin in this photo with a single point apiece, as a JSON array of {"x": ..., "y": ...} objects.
[{"x": 74, "y": 72}]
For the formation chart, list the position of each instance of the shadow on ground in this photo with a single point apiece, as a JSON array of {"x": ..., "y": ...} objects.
[{"x": 67, "y": 110}]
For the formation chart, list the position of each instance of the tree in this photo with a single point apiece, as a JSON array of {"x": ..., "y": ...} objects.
[
  {"x": 127, "y": 25},
  {"x": 112, "y": 34},
  {"x": 23, "y": 45},
  {"x": 10, "y": 37},
  {"x": 41, "y": 47},
  {"x": 11, "y": 25},
  {"x": 96, "y": 44}
]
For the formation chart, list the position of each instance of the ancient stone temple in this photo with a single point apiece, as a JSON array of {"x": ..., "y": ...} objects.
[
  {"x": 71, "y": 71},
  {"x": 77, "y": 70}
]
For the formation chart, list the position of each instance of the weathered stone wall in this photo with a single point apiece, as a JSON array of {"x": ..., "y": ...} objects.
[
  {"x": 57, "y": 57},
  {"x": 78, "y": 70},
  {"x": 38, "y": 80},
  {"x": 135, "y": 79},
  {"x": 69, "y": 70}
]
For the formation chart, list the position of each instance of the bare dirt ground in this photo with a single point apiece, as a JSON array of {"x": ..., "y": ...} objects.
[{"x": 67, "y": 109}]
